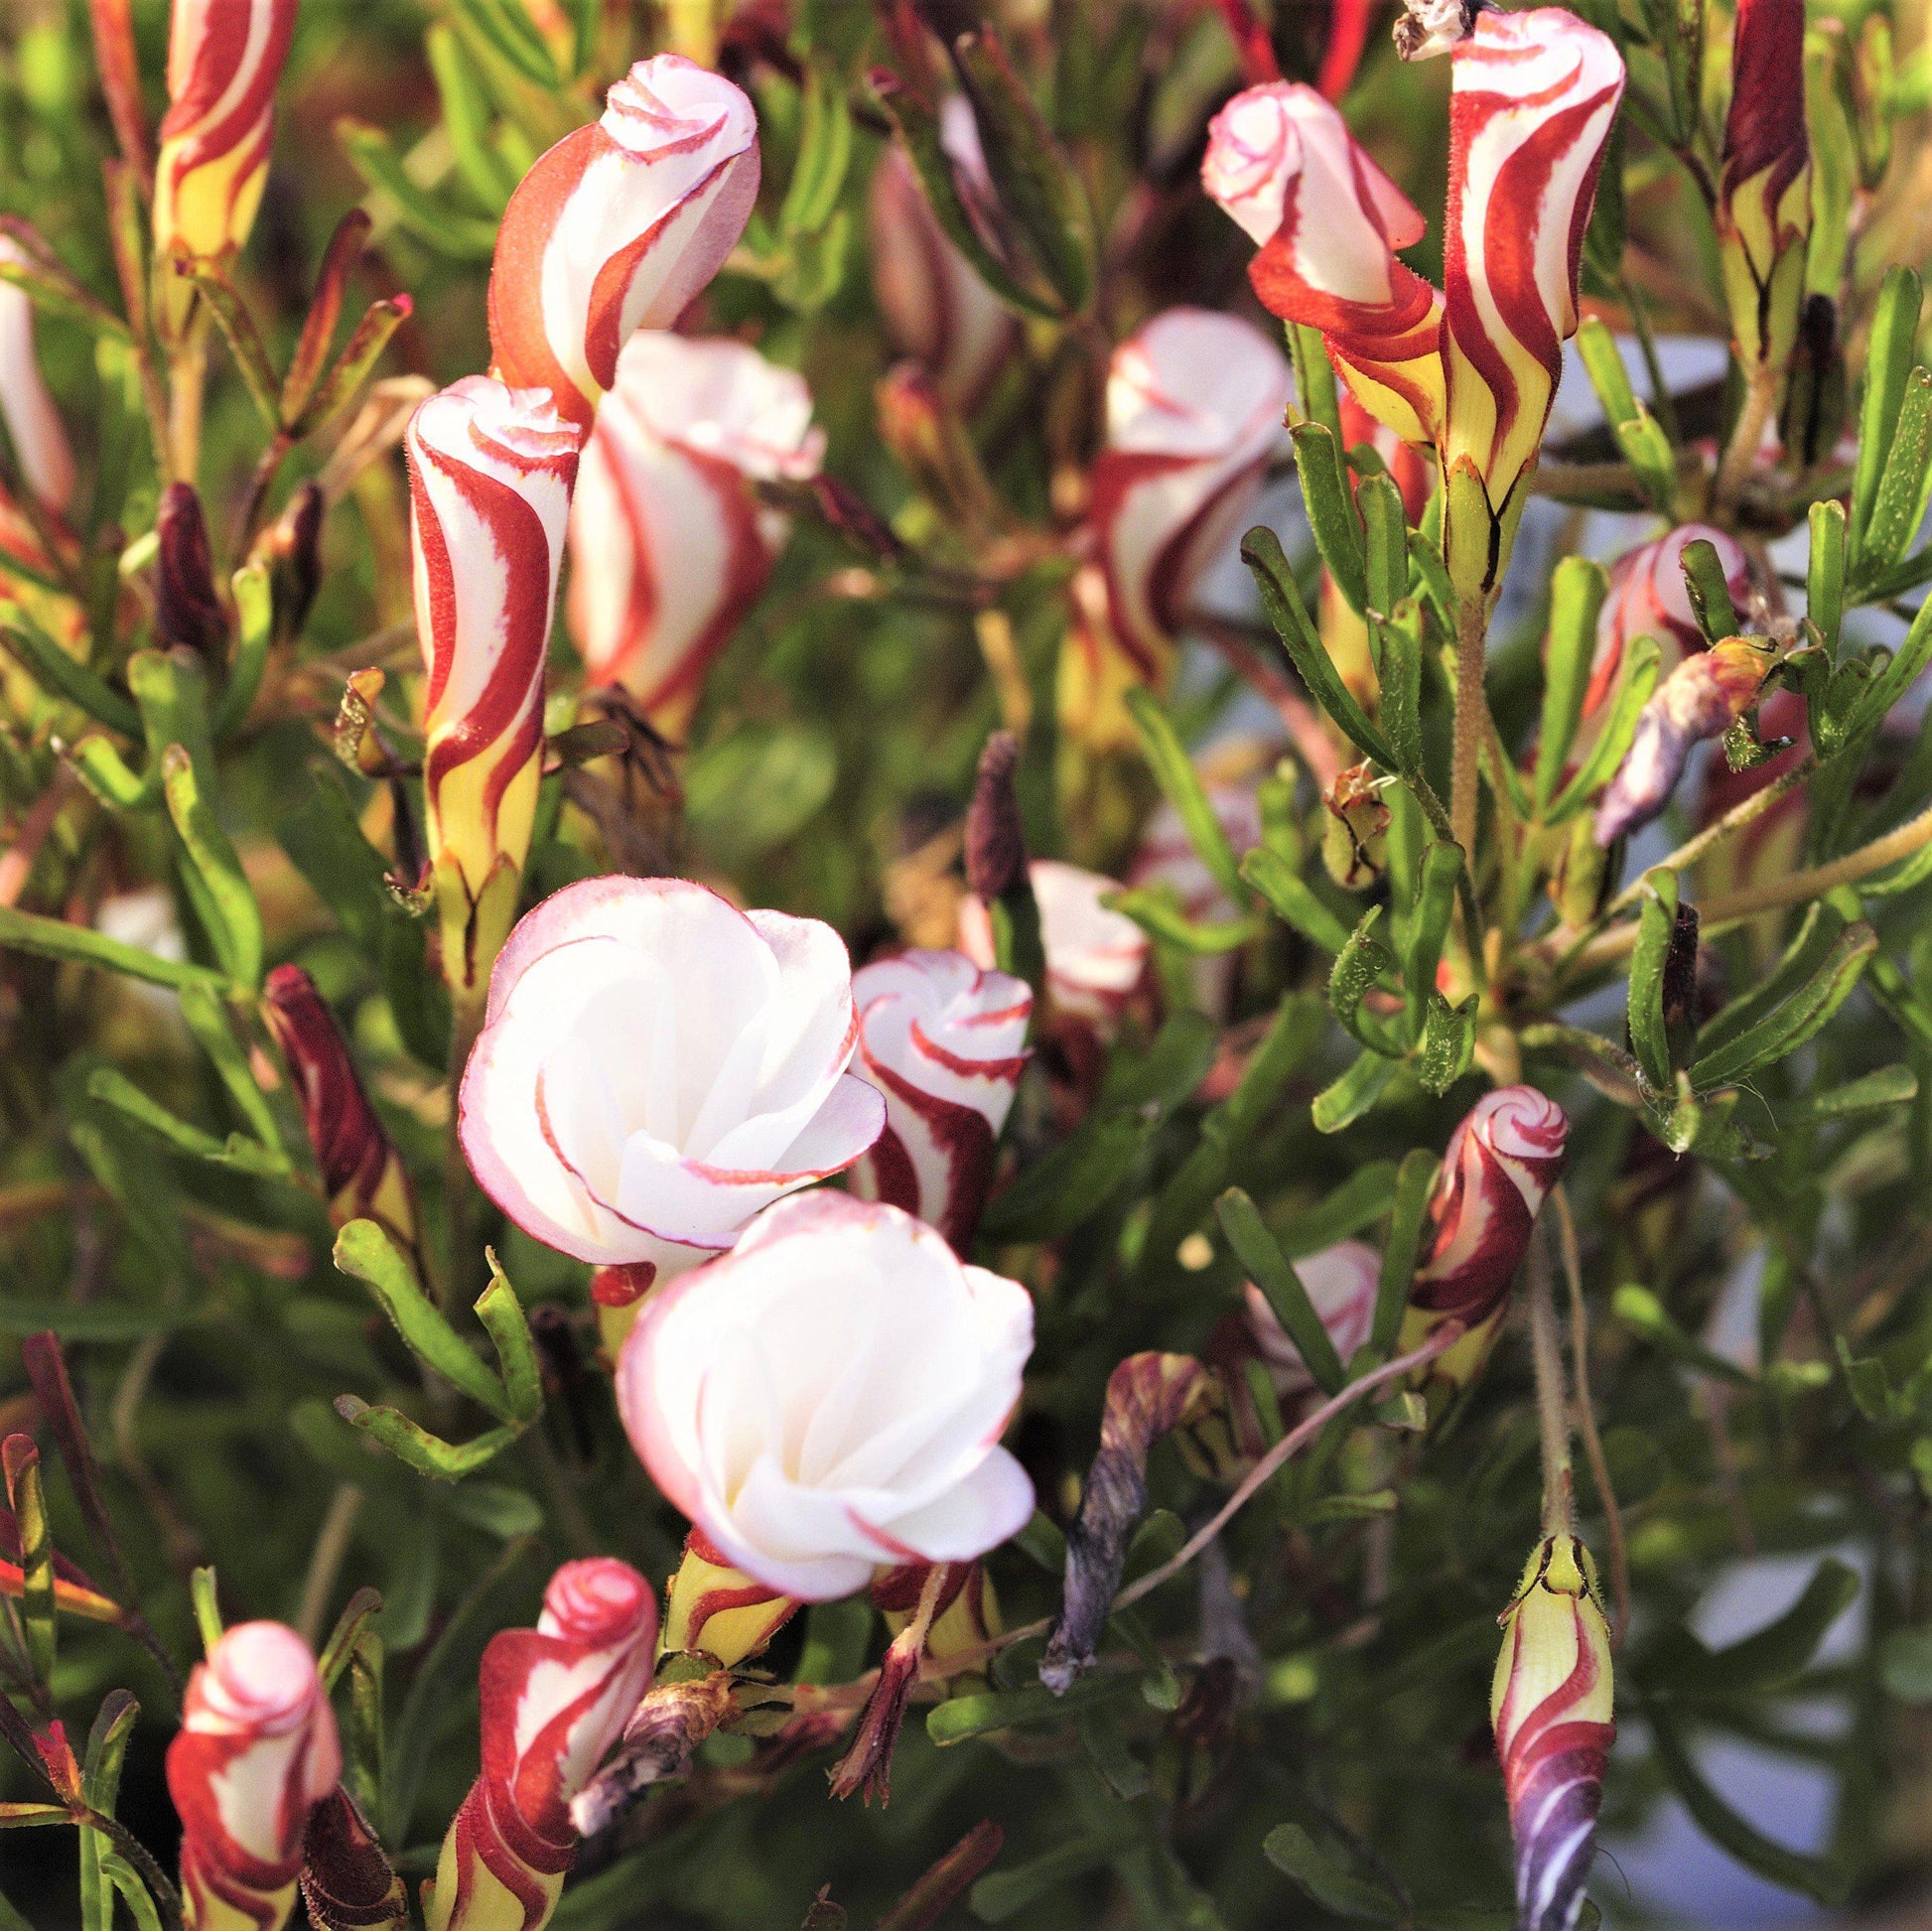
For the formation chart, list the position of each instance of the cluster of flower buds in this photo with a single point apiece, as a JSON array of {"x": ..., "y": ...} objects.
[
  {"x": 944, "y": 1041},
  {"x": 655, "y": 1067},
  {"x": 225, "y": 64},
  {"x": 829, "y": 1398},
  {"x": 555, "y": 1699},
  {"x": 1551, "y": 1709},
  {"x": 363, "y": 1175},
  {"x": 619, "y": 227},
  {"x": 1471, "y": 370},
  {"x": 669, "y": 543},
  {"x": 255, "y": 1753},
  {"x": 1504, "y": 1155}
]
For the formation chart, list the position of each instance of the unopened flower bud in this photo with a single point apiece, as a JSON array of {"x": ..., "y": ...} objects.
[
  {"x": 188, "y": 614},
  {"x": 1551, "y": 1709},
  {"x": 291, "y": 546},
  {"x": 714, "y": 1609},
  {"x": 1354, "y": 829},
  {"x": 347, "y": 1881},
  {"x": 995, "y": 839}
]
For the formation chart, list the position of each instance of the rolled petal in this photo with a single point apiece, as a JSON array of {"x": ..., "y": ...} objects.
[
  {"x": 1194, "y": 408},
  {"x": 669, "y": 543},
  {"x": 1702, "y": 698},
  {"x": 34, "y": 425},
  {"x": 255, "y": 1753},
  {"x": 491, "y": 473},
  {"x": 656, "y": 1066},
  {"x": 362, "y": 1173},
  {"x": 1503, "y": 1159},
  {"x": 555, "y": 1700},
  {"x": 936, "y": 309},
  {"x": 829, "y": 1398},
  {"x": 224, "y": 62},
  {"x": 1328, "y": 221},
  {"x": 1648, "y": 598},
  {"x": 1551, "y": 1709},
  {"x": 1532, "y": 101},
  {"x": 1342, "y": 1281},
  {"x": 1764, "y": 192},
  {"x": 1096, "y": 959},
  {"x": 944, "y": 1041},
  {"x": 619, "y": 227}
]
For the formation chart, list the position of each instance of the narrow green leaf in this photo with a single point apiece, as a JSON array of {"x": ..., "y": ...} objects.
[
  {"x": 1399, "y": 671},
  {"x": 1274, "y": 1274},
  {"x": 961, "y": 1718},
  {"x": 28, "y": 1501},
  {"x": 1359, "y": 967},
  {"x": 1888, "y": 1086},
  {"x": 356, "y": 1614},
  {"x": 824, "y": 155},
  {"x": 62, "y": 675},
  {"x": 1603, "y": 364},
  {"x": 55, "y": 938},
  {"x": 1448, "y": 1047},
  {"x": 1359, "y": 1201},
  {"x": 254, "y": 629},
  {"x": 1325, "y": 1878},
  {"x": 1330, "y": 508},
  {"x": 1385, "y": 536},
  {"x": 209, "y": 1020},
  {"x": 426, "y": 1453},
  {"x": 1809, "y": 1007},
  {"x": 1898, "y": 509},
  {"x": 1408, "y": 1213},
  {"x": 1887, "y": 365},
  {"x": 114, "y": 1089},
  {"x": 1656, "y": 921},
  {"x": 244, "y": 341},
  {"x": 502, "y": 1315},
  {"x": 1817, "y": 932},
  {"x": 1315, "y": 377},
  {"x": 1636, "y": 679},
  {"x": 448, "y": 230},
  {"x": 133, "y": 1890},
  {"x": 1709, "y": 591},
  {"x": 1174, "y": 772},
  {"x": 1825, "y": 574},
  {"x": 1428, "y": 923},
  {"x": 466, "y": 118},
  {"x": 1292, "y": 900},
  {"x": 510, "y": 33},
  {"x": 214, "y": 874},
  {"x": 1649, "y": 452},
  {"x": 1637, "y": 1308},
  {"x": 1069, "y": 1185},
  {"x": 1344, "y": 1101}
]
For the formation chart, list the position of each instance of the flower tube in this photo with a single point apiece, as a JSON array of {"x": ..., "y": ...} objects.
[
  {"x": 363, "y": 1175},
  {"x": 944, "y": 1041},
  {"x": 555, "y": 1699},
  {"x": 655, "y": 1067},
  {"x": 1532, "y": 99},
  {"x": 829, "y": 1398},
  {"x": 1327, "y": 221},
  {"x": 1551, "y": 1709},
  {"x": 619, "y": 227},
  {"x": 490, "y": 472},
  {"x": 1503, "y": 1159},
  {"x": 1764, "y": 193},
  {"x": 224, "y": 62},
  {"x": 255, "y": 1753},
  {"x": 669, "y": 543}
]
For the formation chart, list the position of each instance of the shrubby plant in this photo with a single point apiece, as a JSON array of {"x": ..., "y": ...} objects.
[{"x": 723, "y": 1093}]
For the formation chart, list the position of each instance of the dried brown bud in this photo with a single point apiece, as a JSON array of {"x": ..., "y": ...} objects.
[
  {"x": 1355, "y": 830},
  {"x": 867, "y": 1765},
  {"x": 996, "y": 840},
  {"x": 658, "y": 1741},
  {"x": 187, "y": 611},
  {"x": 348, "y": 1883}
]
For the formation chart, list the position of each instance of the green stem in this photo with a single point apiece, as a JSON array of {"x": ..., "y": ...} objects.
[
  {"x": 1552, "y": 1397},
  {"x": 1472, "y": 644}
]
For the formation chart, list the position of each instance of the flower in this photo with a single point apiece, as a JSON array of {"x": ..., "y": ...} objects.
[
  {"x": 655, "y": 1067},
  {"x": 935, "y": 307},
  {"x": 1648, "y": 598},
  {"x": 34, "y": 425},
  {"x": 1550, "y": 1707},
  {"x": 362, "y": 1173},
  {"x": 555, "y": 1699},
  {"x": 224, "y": 62},
  {"x": 255, "y": 1753},
  {"x": 944, "y": 1041},
  {"x": 619, "y": 227},
  {"x": 1342, "y": 1281},
  {"x": 1096, "y": 959},
  {"x": 669, "y": 543},
  {"x": 1764, "y": 194},
  {"x": 1194, "y": 407},
  {"x": 490, "y": 471},
  {"x": 1532, "y": 99},
  {"x": 1328, "y": 221},
  {"x": 1505, "y": 1154},
  {"x": 829, "y": 1398}
]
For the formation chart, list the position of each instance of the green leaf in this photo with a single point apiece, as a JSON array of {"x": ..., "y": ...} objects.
[
  {"x": 1792, "y": 1024},
  {"x": 254, "y": 631},
  {"x": 1709, "y": 591},
  {"x": 1448, "y": 1047},
  {"x": 27, "y": 1499},
  {"x": 502, "y": 1315},
  {"x": 62, "y": 675},
  {"x": 1069, "y": 1185},
  {"x": 429, "y": 1455},
  {"x": 1315, "y": 377},
  {"x": 1776, "y": 1656},
  {"x": 1637, "y": 1308},
  {"x": 213, "y": 873},
  {"x": 466, "y": 118},
  {"x": 1359, "y": 1201},
  {"x": 1292, "y": 900},
  {"x": 1656, "y": 923},
  {"x": 1874, "y": 701},
  {"x": 101, "y": 1782},
  {"x": 1649, "y": 452},
  {"x": 1825, "y": 574},
  {"x": 112, "y": 1088},
  {"x": 1399, "y": 669},
  {"x": 1261, "y": 551},
  {"x": 1603, "y": 364},
  {"x": 1156, "y": 911},
  {"x": 1174, "y": 772},
  {"x": 1898, "y": 509},
  {"x": 133, "y": 1891},
  {"x": 53, "y": 938},
  {"x": 1888, "y": 365},
  {"x": 1636, "y": 678},
  {"x": 1888, "y": 1086},
  {"x": 980, "y": 1714},
  {"x": 1577, "y": 594},
  {"x": 1330, "y": 509},
  {"x": 824, "y": 155},
  {"x": 1325, "y": 1878},
  {"x": 506, "y": 28},
  {"x": 364, "y": 1252},
  {"x": 244, "y": 341},
  {"x": 448, "y": 230},
  {"x": 1358, "y": 967},
  {"x": 750, "y": 790},
  {"x": 207, "y": 1019},
  {"x": 1408, "y": 1216},
  {"x": 1342, "y": 1103},
  {"x": 1385, "y": 536},
  {"x": 1274, "y": 1274},
  {"x": 1428, "y": 924},
  {"x": 1003, "y": 1895}
]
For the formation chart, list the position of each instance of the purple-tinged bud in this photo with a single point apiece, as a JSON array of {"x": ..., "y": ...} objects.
[
  {"x": 996, "y": 840},
  {"x": 291, "y": 546},
  {"x": 348, "y": 1882},
  {"x": 187, "y": 611}
]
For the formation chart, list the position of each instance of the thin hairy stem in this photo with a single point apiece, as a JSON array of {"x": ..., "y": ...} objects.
[
  {"x": 1761, "y": 398},
  {"x": 1552, "y": 1397},
  {"x": 1471, "y": 645}
]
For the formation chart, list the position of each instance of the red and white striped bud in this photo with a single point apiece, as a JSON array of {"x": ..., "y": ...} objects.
[
  {"x": 619, "y": 227},
  {"x": 1341, "y": 1280},
  {"x": 1328, "y": 221},
  {"x": 1504, "y": 1155},
  {"x": 1194, "y": 409},
  {"x": 363, "y": 1175},
  {"x": 224, "y": 62},
  {"x": 1096, "y": 959},
  {"x": 669, "y": 543},
  {"x": 1551, "y": 1709},
  {"x": 491, "y": 473},
  {"x": 1702, "y": 698},
  {"x": 1764, "y": 193},
  {"x": 936, "y": 309},
  {"x": 1532, "y": 99},
  {"x": 256, "y": 1752},
  {"x": 34, "y": 425},
  {"x": 555, "y": 1699},
  {"x": 945, "y": 1042}
]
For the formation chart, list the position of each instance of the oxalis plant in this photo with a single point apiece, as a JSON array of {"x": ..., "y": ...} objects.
[{"x": 721, "y": 1071}]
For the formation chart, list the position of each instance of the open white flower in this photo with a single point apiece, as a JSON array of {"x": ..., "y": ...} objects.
[
  {"x": 829, "y": 1398},
  {"x": 655, "y": 1067}
]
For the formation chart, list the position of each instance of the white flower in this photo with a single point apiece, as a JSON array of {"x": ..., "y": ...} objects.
[
  {"x": 655, "y": 1067},
  {"x": 829, "y": 1398},
  {"x": 1096, "y": 959}
]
